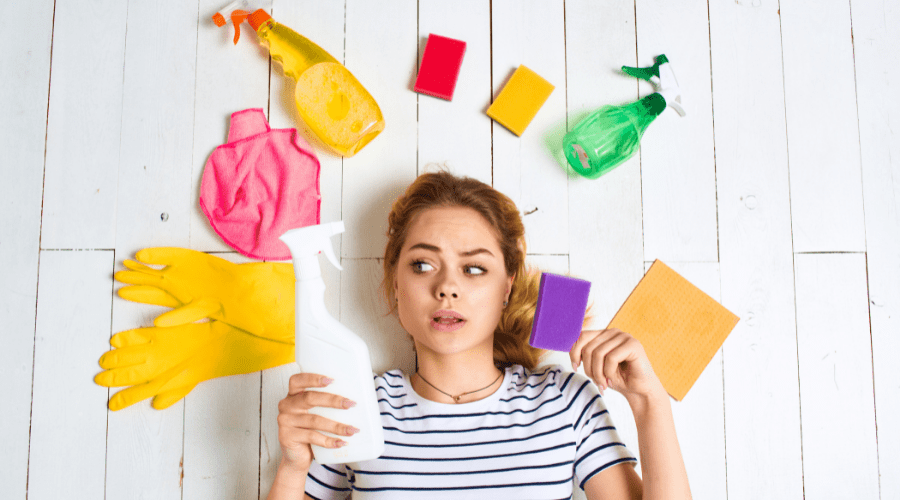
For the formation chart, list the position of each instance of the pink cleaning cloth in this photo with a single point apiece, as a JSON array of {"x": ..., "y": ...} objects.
[{"x": 258, "y": 185}]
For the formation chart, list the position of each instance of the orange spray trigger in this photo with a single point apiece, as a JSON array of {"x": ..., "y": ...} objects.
[{"x": 237, "y": 17}]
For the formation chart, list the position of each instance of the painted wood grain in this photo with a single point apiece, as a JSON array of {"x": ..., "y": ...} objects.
[
  {"x": 24, "y": 85},
  {"x": 876, "y": 33},
  {"x": 822, "y": 127},
  {"x": 381, "y": 52},
  {"x": 677, "y": 154},
  {"x": 834, "y": 352},
  {"x": 68, "y": 426},
  {"x": 762, "y": 407},
  {"x": 229, "y": 78},
  {"x": 457, "y": 133},
  {"x": 157, "y": 127},
  {"x": 83, "y": 126},
  {"x": 532, "y": 34}
]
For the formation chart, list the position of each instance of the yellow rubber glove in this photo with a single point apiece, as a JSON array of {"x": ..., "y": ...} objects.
[
  {"x": 166, "y": 363},
  {"x": 257, "y": 297}
]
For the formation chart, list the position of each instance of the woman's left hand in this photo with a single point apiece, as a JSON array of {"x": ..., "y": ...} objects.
[{"x": 615, "y": 359}]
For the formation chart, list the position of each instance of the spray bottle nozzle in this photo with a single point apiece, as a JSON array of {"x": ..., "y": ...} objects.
[
  {"x": 305, "y": 243},
  {"x": 238, "y": 11},
  {"x": 663, "y": 78}
]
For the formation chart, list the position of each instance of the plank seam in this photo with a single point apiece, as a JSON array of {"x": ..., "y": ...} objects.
[
  {"x": 37, "y": 286},
  {"x": 787, "y": 147}
]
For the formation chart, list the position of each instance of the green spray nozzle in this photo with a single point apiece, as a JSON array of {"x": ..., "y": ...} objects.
[{"x": 663, "y": 78}]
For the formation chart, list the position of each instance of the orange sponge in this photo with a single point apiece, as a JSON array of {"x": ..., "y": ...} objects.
[
  {"x": 520, "y": 100},
  {"x": 680, "y": 327}
]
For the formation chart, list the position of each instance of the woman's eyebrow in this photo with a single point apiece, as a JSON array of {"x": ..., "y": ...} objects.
[{"x": 468, "y": 253}]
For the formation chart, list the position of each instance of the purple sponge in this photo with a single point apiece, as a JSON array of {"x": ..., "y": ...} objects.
[{"x": 562, "y": 302}]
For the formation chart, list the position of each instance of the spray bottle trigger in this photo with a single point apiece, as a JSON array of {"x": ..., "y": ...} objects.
[
  {"x": 643, "y": 73},
  {"x": 237, "y": 17},
  {"x": 329, "y": 252}
]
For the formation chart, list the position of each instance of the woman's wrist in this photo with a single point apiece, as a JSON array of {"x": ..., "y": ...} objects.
[{"x": 656, "y": 398}]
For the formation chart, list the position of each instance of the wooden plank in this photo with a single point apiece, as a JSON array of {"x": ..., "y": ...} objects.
[
  {"x": 381, "y": 53},
  {"x": 457, "y": 133},
  {"x": 221, "y": 438},
  {"x": 877, "y": 35},
  {"x": 822, "y": 127},
  {"x": 229, "y": 78},
  {"x": 145, "y": 452},
  {"x": 68, "y": 425},
  {"x": 84, "y": 125},
  {"x": 221, "y": 433},
  {"x": 700, "y": 416},
  {"x": 157, "y": 126},
  {"x": 604, "y": 214},
  {"x": 760, "y": 355},
  {"x": 677, "y": 154},
  {"x": 532, "y": 33},
  {"x": 840, "y": 454},
  {"x": 328, "y": 33},
  {"x": 24, "y": 85}
]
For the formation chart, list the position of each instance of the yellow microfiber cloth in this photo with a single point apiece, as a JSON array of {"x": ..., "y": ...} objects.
[
  {"x": 680, "y": 327},
  {"x": 520, "y": 100}
]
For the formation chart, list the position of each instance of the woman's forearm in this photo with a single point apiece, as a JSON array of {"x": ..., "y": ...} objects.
[
  {"x": 662, "y": 466},
  {"x": 289, "y": 484}
]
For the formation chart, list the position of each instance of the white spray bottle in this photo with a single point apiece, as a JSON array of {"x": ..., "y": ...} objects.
[{"x": 326, "y": 347}]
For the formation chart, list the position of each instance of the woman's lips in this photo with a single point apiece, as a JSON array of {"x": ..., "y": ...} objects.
[{"x": 447, "y": 324}]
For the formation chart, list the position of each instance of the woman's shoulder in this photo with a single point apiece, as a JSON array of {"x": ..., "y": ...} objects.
[{"x": 557, "y": 379}]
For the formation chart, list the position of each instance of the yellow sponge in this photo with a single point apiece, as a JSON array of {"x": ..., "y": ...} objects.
[
  {"x": 520, "y": 100},
  {"x": 680, "y": 327}
]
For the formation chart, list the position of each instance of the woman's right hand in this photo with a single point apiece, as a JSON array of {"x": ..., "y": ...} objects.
[{"x": 298, "y": 428}]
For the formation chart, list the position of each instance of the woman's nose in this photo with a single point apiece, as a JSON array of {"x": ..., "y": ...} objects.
[{"x": 447, "y": 286}]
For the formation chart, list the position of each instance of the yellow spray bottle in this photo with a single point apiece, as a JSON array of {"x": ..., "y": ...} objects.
[{"x": 332, "y": 102}]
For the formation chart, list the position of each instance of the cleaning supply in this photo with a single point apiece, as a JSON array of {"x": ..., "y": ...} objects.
[
  {"x": 332, "y": 102},
  {"x": 238, "y": 11},
  {"x": 326, "y": 347},
  {"x": 680, "y": 327},
  {"x": 259, "y": 184},
  {"x": 440, "y": 66},
  {"x": 256, "y": 297},
  {"x": 559, "y": 314},
  {"x": 519, "y": 101},
  {"x": 166, "y": 363},
  {"x": 611, "y": 135}
]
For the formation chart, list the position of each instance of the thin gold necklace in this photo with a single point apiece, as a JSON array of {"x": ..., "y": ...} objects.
[{"x": 456, "y": 398}]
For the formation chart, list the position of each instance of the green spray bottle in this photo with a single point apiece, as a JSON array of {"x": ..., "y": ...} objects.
[{"x": 612, "y": 134}]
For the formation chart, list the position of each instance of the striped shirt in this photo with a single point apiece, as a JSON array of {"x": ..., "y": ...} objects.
[{"x": 528, "y": 440}]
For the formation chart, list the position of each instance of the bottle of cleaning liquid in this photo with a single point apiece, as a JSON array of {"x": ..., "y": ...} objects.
[
  {"x": 612, "y": 134},
  {"x": 332, "y": 102},
  {"x": 326, "y": 347}
]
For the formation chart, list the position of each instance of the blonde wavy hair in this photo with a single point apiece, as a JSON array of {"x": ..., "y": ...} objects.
[{"x": 443, "y": 189}]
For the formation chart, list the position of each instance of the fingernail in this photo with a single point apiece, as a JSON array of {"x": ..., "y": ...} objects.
[
  {"x": 326, "y": 380},
  {"x": 349, "y": 404},
  {"x": 352, "y": 430},
  {"x": 608, "y": 382},
  {"x": 340, "y": 443}
]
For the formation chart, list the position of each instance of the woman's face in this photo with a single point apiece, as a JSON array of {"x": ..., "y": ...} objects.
[{"x": 451, "y": 281}]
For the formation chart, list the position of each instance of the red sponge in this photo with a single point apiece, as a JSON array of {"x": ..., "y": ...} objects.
[{"x": 440, "y": 66}]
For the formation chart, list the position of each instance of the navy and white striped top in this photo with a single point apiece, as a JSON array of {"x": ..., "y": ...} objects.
[{"x": 529, "y": 439}]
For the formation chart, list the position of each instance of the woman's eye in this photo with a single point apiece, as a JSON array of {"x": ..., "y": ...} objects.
[
  {"x": 421, "y": 267},
  {"x": 475, "y": 270}
]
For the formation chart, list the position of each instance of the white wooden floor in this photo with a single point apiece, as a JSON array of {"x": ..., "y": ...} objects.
[{"x": 778, "y": 194}]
